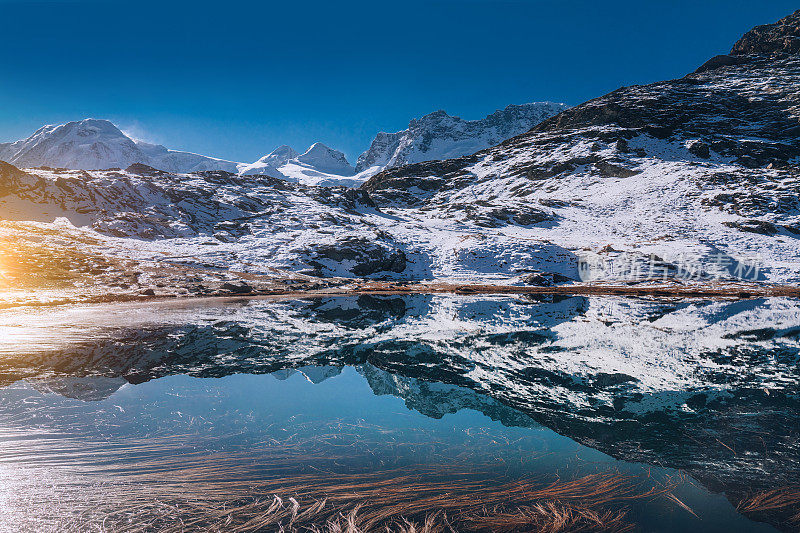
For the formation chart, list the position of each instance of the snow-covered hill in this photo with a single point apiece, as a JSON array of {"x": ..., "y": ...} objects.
[
  {"x": 698, "y": 173},
  {"x": 319, "y": 165},
  {"x": 437, "y": 135},
  {"x": 694, "y": 178},
  {"x": 269, "y": 164},
  {"x": 98, "y": 144}
]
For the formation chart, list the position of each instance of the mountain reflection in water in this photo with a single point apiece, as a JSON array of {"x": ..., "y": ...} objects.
[{"x": 707, "y": 388}]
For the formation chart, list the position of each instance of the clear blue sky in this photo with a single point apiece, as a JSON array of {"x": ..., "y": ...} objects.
[{"x": 234, "y": 79}]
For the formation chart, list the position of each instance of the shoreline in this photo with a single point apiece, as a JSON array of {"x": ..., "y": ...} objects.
[{"x": 705, "y": 291}]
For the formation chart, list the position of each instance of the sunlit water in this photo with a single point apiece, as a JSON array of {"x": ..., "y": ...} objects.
[{"x": 109, "y": 415}]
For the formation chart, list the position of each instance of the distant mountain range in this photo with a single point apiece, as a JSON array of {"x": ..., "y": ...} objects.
[{"x": 95, "y": 144}]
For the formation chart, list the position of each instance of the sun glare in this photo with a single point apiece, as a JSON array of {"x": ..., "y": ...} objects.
[
  {"x": 4, "y": 273},
  {"x": 7, "y": 266}
]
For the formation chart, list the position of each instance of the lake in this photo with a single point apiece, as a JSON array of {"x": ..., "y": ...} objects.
[{"x": 420, "y": 413}]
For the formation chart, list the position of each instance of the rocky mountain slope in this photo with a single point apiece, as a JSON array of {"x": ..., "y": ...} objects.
[
  {"x": 437, "y": 135},
  {"x": 692, "y": 180},
  {"x": 701, "y": 168}
]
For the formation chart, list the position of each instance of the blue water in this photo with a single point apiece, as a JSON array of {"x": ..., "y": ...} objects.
[
  {"x": 243, "y": 396},
  {"x": 232, "y": 414}
]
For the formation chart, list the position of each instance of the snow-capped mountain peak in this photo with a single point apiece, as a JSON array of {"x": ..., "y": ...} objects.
[
  {"x": 438, "y": 135},
  {"x": 283, "y": 152},
  {"x": 325, "y": 159},
  {"x": 87, "y": 128},
  {"x": 91, "y": 144},
  {"x": 317, "y": 165},
  {"x": 270, "y": 163}
]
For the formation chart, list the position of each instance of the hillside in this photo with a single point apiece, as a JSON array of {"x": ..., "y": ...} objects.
[{"x": 693, "y": 180}]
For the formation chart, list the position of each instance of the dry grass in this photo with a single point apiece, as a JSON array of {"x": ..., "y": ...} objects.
[
  {"x": 36, "y": 258},
  {"x": 32, "y": 257},
  {"x": 393, "y": 501},
  {"x": 339, "y": 477},
  {"x": 552, "y": 517},
  {"x": 785, "y": 501}
]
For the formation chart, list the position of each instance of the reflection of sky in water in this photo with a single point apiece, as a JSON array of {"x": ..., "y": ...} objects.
[{"x": 54, "y": 446}]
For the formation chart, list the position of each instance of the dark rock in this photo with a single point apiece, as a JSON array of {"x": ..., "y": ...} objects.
[
  {"x": 554, "y": 202},
  {"x": 545, "y": 279},
  {"x": 531, "y": 216},
  {"x": 719, "y": 62},
  {"x": 761, "y": 227},
  {"x": 700, "y": 149},
  {"x": 780, "y": 38},
  {"x": 368, "y": 257},
  {"x": 611, "y": 170},
  {"x": 13, "y": 179},
  {"x": 234, "y": 288},
  {"x": 792, "y": 229},
  {"x": 604, "y": 380},
  {"x": 141, "y": 169},
  {"x": 659, "y": 131}
]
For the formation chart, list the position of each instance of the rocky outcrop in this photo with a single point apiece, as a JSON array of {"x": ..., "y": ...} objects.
[
  {"x": 779, "y": 39},
  {"x": 353, "y": 256},
  {"x": 437, "y": 135}
]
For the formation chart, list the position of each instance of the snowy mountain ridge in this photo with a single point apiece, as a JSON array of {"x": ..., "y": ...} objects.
[
  {"x": 685, "y": 180},
  {"x": 95, "y": 144},
  {"x": 319, "y": 165},
  {"x": 438, "y": 135},
  {"x": 98, "y": 144}
]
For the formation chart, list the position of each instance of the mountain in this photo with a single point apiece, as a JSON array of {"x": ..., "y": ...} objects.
[
  {"x": 270, "y": 163},
  {"x": 97, "y": 144},
  {"x": 437, "y": 135},
  {"x": 434, "y": 136},
  {"x": 698, "y": 171},
  {"x": 319, "y": 165},
  {"x": 93, "y": 144},
  {"x": 324, "y": 159},
  {"x": 691, "y": 180}
]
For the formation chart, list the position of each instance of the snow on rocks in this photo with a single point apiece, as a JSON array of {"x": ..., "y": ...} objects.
[{"x": 98, "y": 144}]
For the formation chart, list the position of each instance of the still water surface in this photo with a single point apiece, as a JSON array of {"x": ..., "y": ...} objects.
[{"x": 198, "y": 416}]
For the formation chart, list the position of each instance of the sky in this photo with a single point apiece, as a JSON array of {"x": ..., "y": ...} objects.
[{"x": 235, "y": 79}]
